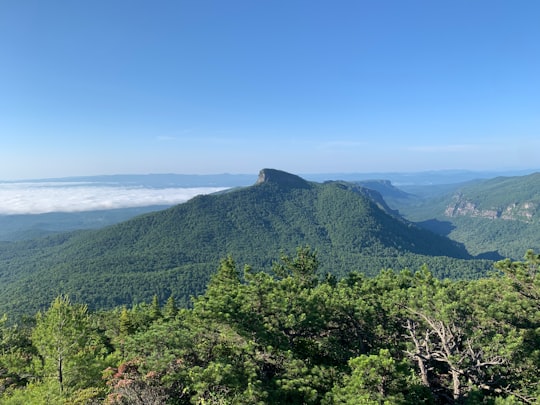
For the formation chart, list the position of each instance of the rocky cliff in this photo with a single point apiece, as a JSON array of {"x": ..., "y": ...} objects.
[{"x": 515, "y": 211}]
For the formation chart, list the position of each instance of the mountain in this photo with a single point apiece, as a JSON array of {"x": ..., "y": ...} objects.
[
  {"x": 393, "y": 196},
  {"x": 174, "y": 251},
  {"x": 495, "y": 218},
  {"x": 425, "y": 178},
  {"x": 506, "y": 198}
]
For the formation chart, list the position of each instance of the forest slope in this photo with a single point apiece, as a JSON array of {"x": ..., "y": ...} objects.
[
  {"x": 499, "y": 217},
  {"x": 174, "y": 251}
]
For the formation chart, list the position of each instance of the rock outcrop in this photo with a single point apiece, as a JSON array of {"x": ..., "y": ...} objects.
[
  {"x": 461, "y": 206},
  {"x": 281, "y": 178}
]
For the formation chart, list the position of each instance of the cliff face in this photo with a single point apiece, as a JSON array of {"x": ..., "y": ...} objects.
[
  {"x": 461, "y": 206},
  {"x": 281, "y": 178}
]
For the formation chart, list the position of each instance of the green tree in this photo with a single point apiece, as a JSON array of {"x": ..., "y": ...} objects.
[
  {"x": 461, "y": 347},
  {"x": 379, "y": 379},
  {"x": 522, "y": 310},
  {"x": 65, "y": 342},
  {"x": 303, "y": 266},
  {"x": 525, "y": 277},
  {"x": 155, "y": 309},
  {"x": 16, "y": 355},
  {"x": 170, "y": 309},
  {"x": 125, "y": 323}
]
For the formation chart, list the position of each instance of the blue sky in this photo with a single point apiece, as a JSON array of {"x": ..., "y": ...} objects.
[{"x": 114, "y": 86}]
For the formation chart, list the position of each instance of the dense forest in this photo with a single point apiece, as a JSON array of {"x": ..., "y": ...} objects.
[
  {"x": 493, "y": 218},
  {"x": 289, "y": 336}
]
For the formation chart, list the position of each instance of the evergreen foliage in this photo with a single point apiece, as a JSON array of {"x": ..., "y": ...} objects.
[{"x": 258, "y": 338}]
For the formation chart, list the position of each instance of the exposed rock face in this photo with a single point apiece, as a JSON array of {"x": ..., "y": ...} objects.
[
  {"x": 524, "y": 210},
  {"x": 460, "y": 206},
  {"x": 281, "y": 178}
]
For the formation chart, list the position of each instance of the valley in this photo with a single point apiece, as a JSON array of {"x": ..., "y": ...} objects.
[{"x": 494, "y": 218}]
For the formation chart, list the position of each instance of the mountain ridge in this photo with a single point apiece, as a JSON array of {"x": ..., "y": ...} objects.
[
  {"x": 506, "y": 198},
  {"x": 498, "y": 217},
  {"x": 174, "y": 251}
]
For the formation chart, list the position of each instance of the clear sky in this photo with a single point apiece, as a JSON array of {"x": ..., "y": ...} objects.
[{"x": 126, "y": 86}]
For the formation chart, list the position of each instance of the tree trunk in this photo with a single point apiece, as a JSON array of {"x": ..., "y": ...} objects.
[
  {"x": 60, "y": 375},
  {"x": 423, "y": 371},
  {"x": 456, "y": 389}
]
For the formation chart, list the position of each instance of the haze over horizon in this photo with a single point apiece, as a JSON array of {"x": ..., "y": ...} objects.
[{"x": 91, "y": 88}]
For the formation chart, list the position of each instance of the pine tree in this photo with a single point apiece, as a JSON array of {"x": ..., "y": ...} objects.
[
  {"x": 155, "y": 310},
  {"x": 61, "y": 333},
  {"x": 126, "y": 326},
  {"x": 170, "y": 309}
]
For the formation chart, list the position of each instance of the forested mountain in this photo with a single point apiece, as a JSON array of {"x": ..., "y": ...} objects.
[
  {"x": 174, "y": 251},
  {"x": 498, "y": 217},
  {"x": 508, "y": 198}
]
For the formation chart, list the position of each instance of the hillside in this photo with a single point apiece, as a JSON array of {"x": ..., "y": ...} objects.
[
  {"x": 499, "y": 217},
  {"x": 30, "y": 226},
  {"x": 507, "y": 198},
  {"x": 174, "y": 251}
]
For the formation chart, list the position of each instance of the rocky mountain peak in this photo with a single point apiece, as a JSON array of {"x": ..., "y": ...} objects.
[{"x": 281, "y": 178}]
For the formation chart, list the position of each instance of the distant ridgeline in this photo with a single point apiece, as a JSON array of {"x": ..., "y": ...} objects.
[
  {"x": 508, "y": 198},
  {"x": 174, "y": 251},
  {"x": 494, "y": 218}
]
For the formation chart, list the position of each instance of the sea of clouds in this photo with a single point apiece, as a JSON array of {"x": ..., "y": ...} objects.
[{"x": 44, "y": 197}]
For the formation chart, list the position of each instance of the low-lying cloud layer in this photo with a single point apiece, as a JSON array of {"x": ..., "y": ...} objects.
[{"x": 39, "y": 198}]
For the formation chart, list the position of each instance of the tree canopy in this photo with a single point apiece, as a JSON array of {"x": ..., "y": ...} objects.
[{"x": 290, "y": 337}]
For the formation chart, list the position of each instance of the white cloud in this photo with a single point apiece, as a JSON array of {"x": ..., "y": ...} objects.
[{"x": 38, "y": 198}]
